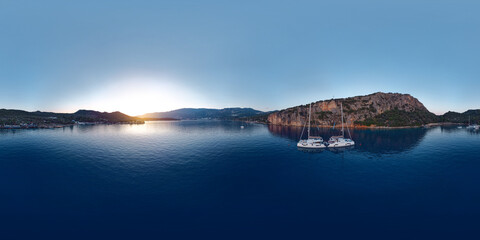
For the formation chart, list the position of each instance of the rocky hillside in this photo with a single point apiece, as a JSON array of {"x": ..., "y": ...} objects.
[{"x": 378, "y": 109}]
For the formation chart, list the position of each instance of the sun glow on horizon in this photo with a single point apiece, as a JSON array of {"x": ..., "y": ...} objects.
[{"x": 137, "y": 96}]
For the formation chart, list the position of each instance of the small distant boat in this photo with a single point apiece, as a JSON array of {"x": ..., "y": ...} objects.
[
  {"x": 472, "y": 126},
  {"x": 315, "y": 142},
  {"x": 341, "y": 141},
  {"x": 85, "y": 123},
  {"x": 242, "y": 127},
  {"x": 476, "y": 127}
]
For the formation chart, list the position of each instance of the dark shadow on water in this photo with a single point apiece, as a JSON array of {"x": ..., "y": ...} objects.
[
  {"x": 367, "y": 140},
  {"x": 341, "y": 150},
  {"x": 309, "y": 150},
  {"x": 389, "y": 140},
  {"x": 333, "y": 150}
]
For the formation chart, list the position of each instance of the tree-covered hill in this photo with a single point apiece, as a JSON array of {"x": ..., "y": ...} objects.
[{"x": 11, "y": 116}]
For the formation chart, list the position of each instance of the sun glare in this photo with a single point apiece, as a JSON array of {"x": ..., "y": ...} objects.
[{"x": 138, "y": 96}]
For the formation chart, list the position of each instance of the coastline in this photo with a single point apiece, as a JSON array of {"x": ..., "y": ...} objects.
[
  {"x": 368, "y": 127},
  {"x": 57, "y": 125}
]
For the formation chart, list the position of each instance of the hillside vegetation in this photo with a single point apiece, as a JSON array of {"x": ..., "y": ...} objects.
[
  {"x": 14, "y": 117},
  {"x": 400, "y": 118}
]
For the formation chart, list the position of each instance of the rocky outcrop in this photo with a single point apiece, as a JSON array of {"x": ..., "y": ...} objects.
[{"x": 356, "y": 110}]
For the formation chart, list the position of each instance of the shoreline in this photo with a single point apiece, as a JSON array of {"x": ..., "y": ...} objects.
[
  {"x": 368, "y": 127},
  {"x": 58, "y": 125},
  {"x": 53, "y": 126}
]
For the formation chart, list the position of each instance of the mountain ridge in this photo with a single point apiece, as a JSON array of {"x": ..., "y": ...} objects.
[{"x": 201, "y": 113}]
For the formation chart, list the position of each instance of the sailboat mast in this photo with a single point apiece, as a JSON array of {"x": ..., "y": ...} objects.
[
  {"x": 341, "y": 109},
  {"x": 309, "y": 114}
]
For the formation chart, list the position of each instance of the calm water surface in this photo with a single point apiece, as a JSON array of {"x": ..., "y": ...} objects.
[{"x": 212, "y": 179}]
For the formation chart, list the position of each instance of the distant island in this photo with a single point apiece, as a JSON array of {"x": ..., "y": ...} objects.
[
  {"x": 374, "y": 110},
  {"x": 206, "y": 113},
  {"x": 370, "y": 111}
]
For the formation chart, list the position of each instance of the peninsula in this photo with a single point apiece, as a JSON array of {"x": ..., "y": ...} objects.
[{"x": 374, "y": 110}]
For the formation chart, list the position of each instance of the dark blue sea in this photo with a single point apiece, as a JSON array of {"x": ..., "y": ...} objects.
[{"x": 215, "y": 180}]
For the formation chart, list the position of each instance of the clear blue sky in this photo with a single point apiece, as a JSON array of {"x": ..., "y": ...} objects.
[{"x": 146, "y": 56}]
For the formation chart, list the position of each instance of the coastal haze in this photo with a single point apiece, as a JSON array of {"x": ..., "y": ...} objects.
[{"x": 140, "y": 57}]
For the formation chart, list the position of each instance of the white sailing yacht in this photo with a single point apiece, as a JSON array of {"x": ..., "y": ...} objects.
[
  {"x": 472, "y": 126},
  {"x": 315, "y": 142},
  {"x": 341, "y": 141}
]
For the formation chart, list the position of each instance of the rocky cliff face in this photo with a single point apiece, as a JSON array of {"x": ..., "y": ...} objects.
[{"x": 356, "y": 110}]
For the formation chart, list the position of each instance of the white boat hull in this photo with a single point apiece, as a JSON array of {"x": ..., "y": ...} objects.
[
  {"x": 341, "y": 144},
  {"x": 311, "y": 145}
]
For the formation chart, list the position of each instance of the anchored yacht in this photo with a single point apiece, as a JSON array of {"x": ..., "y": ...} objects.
[
  {"x": 341, "y": 141},
  {"x": 315, "y": 142},
  {"x": 472, "y": 126}
]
